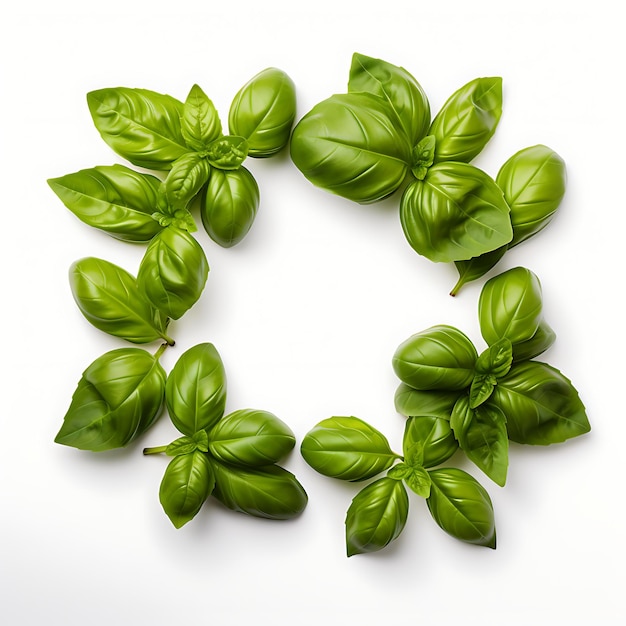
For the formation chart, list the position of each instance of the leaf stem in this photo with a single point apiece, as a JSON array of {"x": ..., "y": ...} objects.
[
  {"x": 160, "y": 351},
  {"x": 155, "y": 450}
]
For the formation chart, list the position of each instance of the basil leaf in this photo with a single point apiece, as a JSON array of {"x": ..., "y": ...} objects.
[
  {"x": 441, "y": 357},
  {"x": 229, "y": 205},
  {"x": 482, "y": 435},
  {"x": 271, "y": 492},
  {"x": 196, "y": 389},
  {"x": 467, "y": 120},
  {"x": 396, "y": 86},
  {"x": 481, "y": 389},
  {"x": 510, "y": 306},
  {"x": 496, "y": 359},
  {"x": 422, "y": 157},
  {"x": 186, "y": 485},
  {"x": 188, "y": 175},
  {"x": 227, "y": 153},
  {"x": 350, "y": 145},
  {"x": 347, "y": 448},
  {"x": 536, "y": 345},
  {"x": 416, "y": 478},
  {"x": 109, "y": 298},
  {"x": 376, "y": 517},
  {"x": 173, "y": 272},
  {"x": 263, "y": 112},
  {"x": 477, "y": 267},
  {"x": 409, "y": 402},
  {"x": 533, "y": 181},
  {"x": 541, "y": 405},
  {"x": 434, "y": 435},
  {"x": 119, "y": 396},
  {"x": 200, "y": 123},
  {"x": 457, "y": 212},
  {"x": 461, "y": 506},
  {"x": 114, "y": 199},
  {"x": 250, "y": 437},
  {"x": 187, "y": 445},
  {"x": 142, "y": 126}
]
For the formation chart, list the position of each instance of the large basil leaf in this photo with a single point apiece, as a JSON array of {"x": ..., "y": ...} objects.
[
  {"x": 467, "y": 120},
  {"x": 173, "y": 271},
  {"x": 200, "y": 123},
  {"x": 108, "y": 296},
  {"x": 112, "y": 198},
  {"x": 250, "y": 437},
  {"x": 510, "y": 306},
  {"x": 395, "y": 85},
  {"x": 229, "y": 205},
  {"x": 410, "y": 402},
  {"x": 271, "y": 492},
  {"x": 541, "y": 405},
  {"x": 188, "y": 175},
  {"x": 377, "y": 516},
  {"x": 347, "y": 448},
  {"x": 536, "y": 345},
  {"x": 142, "y": 126},
  {"x": 118, "y": 397},
  {"x": 533, "y": 181},
  {"x": 435, "y": 437},
  {"x": 457, "y": 212},
  {"x": 196, "y": 389},
  {"x": 263, "y": 112},
  {"x": 441, "y": 357},
  {"x": 187, "y": 483},
  {"x": 350, "y": 145},
  {"x": 461, "y": 506}
]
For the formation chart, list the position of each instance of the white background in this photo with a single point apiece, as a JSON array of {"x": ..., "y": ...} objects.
[{"x": 306, "y": 314}]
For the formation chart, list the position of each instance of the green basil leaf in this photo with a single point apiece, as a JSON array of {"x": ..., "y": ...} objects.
[
  {"x": 119, "y": 396},
  {"x": 271, "y": 492},
  {"x": 477, "y": 267},
  {"x": 196, "y": 389},
  {"x": 251, "y": 437},
  {"x": 173, "y": 272},
  {"x": 409, "y": 402},
  {"x": 263, "y": 112},
  {"x": 482, "y": 435},
  {"x": 186, "y": 485},
  {"x": 423, "y": 157},
  {"x": 467, "y": 120},
  {"x": 434, "y": 435},
  {"x": 441, "y": 357},
  {"x": 187, "y": 177},
  {"x": 541, "y": 405},
  {"x": 108, "y": 296},
  {"x": 510, "y": 306},
  {"x": 416, "y": 478},
  {"x": 462, "y": 507},
  {"x": 376, "y": 517},
  {"x": 142, "y": 126},
  {"x": 350, "y": 145},
  {"x": 187, "y": 445},
  {"x": 395, "y": 85},
  {"x": 347, "y": 448},
  {"x": 533, "y": 181},
  {"x": 536, "y": 345},
  {"x": 457, "y": 212},
  {"x": 227, "y": 153},
  {"x": 481, "y": 389},
  {"x": 229, "y": 206},
  {"x": 114, "y": 199},
  {"x": 200, "y": 123},
  {"x": 496, "y": 359}
]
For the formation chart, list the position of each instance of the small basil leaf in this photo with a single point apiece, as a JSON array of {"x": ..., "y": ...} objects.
[
  {"x": 200, "y": 123},
  {"x": 541, "y": 405},
  {"x": 142, "y": 126},
  {"x": 271, "y": 492},
  {"x": 187, "y": 445},
  {"x": 186, "y": 485},
  {"x": 415, "y": 477},
  {"x": 409, "y": 402},
  {"x": 376, "y": 517},
  {"x": 251, "y": 437},
  {"x": 227, "y": 153},
  {"x": 481, "y": 389},
  {"x": 423, "y": 156},
  {"x": 263, "y": 112},
  {"x": 510, "y": 306},
  {"x": 414, "y": 454},
  {"x": 395, "y": 85},
  {"x": 119, "y": 396},
  {"x": 350, "y": 145},
  {"x": 536, "y": 345},
  {"x": 440, "y": 357},
  {"x": 108, "y": 296},
  {"x": 188, "y": 175},
  {"x": 477, "y": 267},
  {"x": 399, "y": 471},
  {"x": 533, "y": 181},
  {"x": 229, "y": 205},
  {"x": 196, "y": 389},
  {"x": 496, "y": 359},
  {"x": 457, "y": 212},
  {"x": 173, "y": 272},
  {"x": 435, "y": 436},
  {"x": 467, "y": 120},
  {"x": 347, "y": 448},
  {"x": 461, "y": 506},
  {"x": 114, "y": 199}
]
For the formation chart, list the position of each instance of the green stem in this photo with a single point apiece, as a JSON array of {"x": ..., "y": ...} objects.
[
  {"x": 170, "y": 341},
  {"x": 155, "y": 450},
  {"x": 160, "y": 351}
]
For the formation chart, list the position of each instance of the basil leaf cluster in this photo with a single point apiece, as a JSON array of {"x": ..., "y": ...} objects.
[{"x": 233, "y": 457}]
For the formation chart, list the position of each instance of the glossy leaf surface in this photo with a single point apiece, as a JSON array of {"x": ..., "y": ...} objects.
[
  {"x": 347, "y": 448},
  {"x": 434, "y": 435},
  {"x": 409, "y": 402},
  {"x": 187, "y": 445},
  {"x": 200, "y": 122},
  {"x": 536, "y": 345},
  {"x": 377, "y": 516},
  {"x": 188, "y": 175},
  {"x": 477, "y": 267},
  {"x": 119, "y": 396}
]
